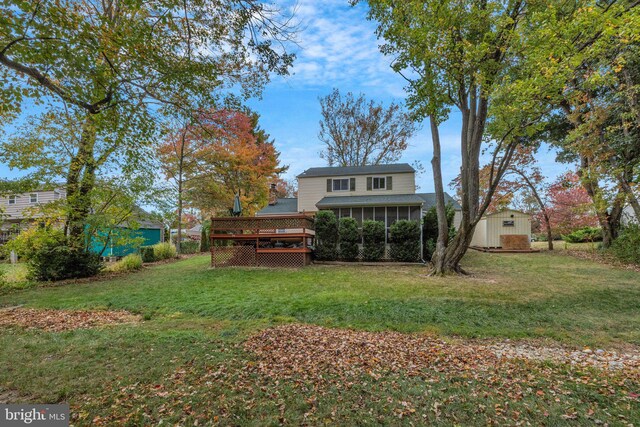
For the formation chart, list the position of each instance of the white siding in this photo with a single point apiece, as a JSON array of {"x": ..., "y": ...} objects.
[
  {"x": 457, "y": 219},
  {"x": 489, "y": 229},
  {"x": 629, "y": 216},
  {"x": 21, "y": 209},
  {"x": 311, "y": 190},
  {"x": 479, "y": 234},
  {"x": 495, "y": 227}
]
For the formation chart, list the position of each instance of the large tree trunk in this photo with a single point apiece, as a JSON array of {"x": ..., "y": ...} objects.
[
  {"x": 80, "y": 183},
  {"x": 438, "y": 257},
  {"x": 474, "y": 116},
  {"x": 179, "y": 235},
  {"x": 608, "y": 218}
]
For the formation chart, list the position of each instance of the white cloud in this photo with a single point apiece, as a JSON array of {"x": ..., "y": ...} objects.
[{"x": 338, "y": 47}]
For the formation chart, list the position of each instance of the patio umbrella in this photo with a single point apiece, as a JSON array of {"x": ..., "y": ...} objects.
[{"x": 237, "y": 207}]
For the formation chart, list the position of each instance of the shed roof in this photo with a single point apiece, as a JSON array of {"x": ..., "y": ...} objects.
[
  {"x": 504, "y": 211},
  {"x": 357, "y": 170}
]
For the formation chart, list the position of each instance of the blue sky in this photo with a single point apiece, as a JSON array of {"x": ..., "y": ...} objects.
[{"x": 337, "y": 47}]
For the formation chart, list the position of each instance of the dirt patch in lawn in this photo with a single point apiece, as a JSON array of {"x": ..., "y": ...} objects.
[
  {"x": 62, "y": 320},
  {"x": 312, "y": 351},
  {"x": 9, "y": 396}
]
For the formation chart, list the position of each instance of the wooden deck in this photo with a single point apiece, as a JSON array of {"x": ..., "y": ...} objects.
[{"x": 260, "y": 241}]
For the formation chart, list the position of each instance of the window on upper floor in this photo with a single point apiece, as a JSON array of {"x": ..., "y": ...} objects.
[
  {"x": 341, "y": 184},
  {"x": 33, "y": 198},
  {"x": 12, "y": 200},
  {"x": 379, "y": 183}
]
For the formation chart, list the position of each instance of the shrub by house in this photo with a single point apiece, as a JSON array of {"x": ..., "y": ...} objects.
[
  {"x": 373, "y": 240},
  {"x": 404, "y": 238},
  {"x": 349, "y": 239},
  {"x": 326, "y": 236}
]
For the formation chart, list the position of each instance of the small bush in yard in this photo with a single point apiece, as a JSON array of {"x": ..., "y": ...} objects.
[
  {"x": 164, "y": 251},
  {"x": 49, "y": 257},
  {"x": 131, "y": 262},
  {"x": 627, "y": 246},
  {"x": 35, "y": 239},
  {"x": 405, "y": 241},
  {"x": 58, "y": 262},
  {"x": 349, "y": 238},
  {"x": 189, "y": 247},
  {"x": 147, "y": 253},
  {"x": 373, "y": 240},
  {"x": 326, "y": 236},
  {"x": 583, "y": 235}
]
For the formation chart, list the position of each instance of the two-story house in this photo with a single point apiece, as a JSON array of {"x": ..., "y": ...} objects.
[{"x": 384, "y": 193}]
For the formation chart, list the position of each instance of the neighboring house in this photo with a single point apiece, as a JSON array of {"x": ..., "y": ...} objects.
[
  {"x": 20, "y": 210},
  {"x": 193, "y": 233},
  {"x": 629, "y": 216},
  {"x": 508, "y": 222},
  {"x": 384, "y": 193}
]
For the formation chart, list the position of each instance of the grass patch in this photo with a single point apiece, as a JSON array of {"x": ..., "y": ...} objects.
[
  {"x": 14, "y": 277},
  {"x": 186, "y": 360},
  {"x": 510, "y": 295}
]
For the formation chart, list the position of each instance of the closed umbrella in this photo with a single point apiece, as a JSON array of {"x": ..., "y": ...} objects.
[{"x": 237, "y": 207}]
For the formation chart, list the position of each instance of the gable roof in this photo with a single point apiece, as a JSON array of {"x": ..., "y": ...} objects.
[
  {"x": 288, "y": 205},
  {"x": 357, "y": 170},
  {"x": 430, "y": 200},
  {"x": 505, "y": 210}
]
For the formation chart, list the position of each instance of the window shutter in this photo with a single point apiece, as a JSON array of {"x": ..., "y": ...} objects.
[
  {"x": 352, "y": 184},
  {"x": 329, "y": 187},
  {"x": 389, "y": 183},
  {"x": 369, "y": 183}
]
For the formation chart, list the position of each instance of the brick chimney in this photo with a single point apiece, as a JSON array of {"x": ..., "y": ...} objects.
[{"x": 273, "y": 199}]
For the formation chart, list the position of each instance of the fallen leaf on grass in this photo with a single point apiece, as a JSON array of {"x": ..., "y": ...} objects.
[{"x": 63, "y": 320}]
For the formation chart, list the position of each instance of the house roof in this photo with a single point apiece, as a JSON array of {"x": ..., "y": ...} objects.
[
  {"x": 503, "y": 211},
  {"x": 430, "y": 200},
  {"x": 374, "y": 200},
  {"x": 284, "y": 206},
  {"x": 357, "y": 170}
]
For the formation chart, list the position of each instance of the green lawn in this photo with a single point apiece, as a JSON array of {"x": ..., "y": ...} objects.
[
  {"x": 197, "y": 318},
  {"x": 561, "y": 245},
  {"x": 14, "y": 276}
]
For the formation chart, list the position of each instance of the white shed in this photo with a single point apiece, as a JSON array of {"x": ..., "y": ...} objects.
[{"x": 504, "y": 223}]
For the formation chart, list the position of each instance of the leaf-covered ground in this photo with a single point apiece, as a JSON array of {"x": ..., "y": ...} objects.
[
  {"x": 62, "y": 320},
  {"x": 539, "y": 339},
  {"x": 300, "y": 374}
]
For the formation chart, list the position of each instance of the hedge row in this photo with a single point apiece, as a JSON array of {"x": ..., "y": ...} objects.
[{"x": 340, "y": 239}]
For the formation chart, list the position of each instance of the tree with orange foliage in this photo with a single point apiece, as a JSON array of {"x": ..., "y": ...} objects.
[
  {"x": 285, "y": 188},
  {"x": 235, "y": 156},
  {"x": 180, "y": 162}
]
